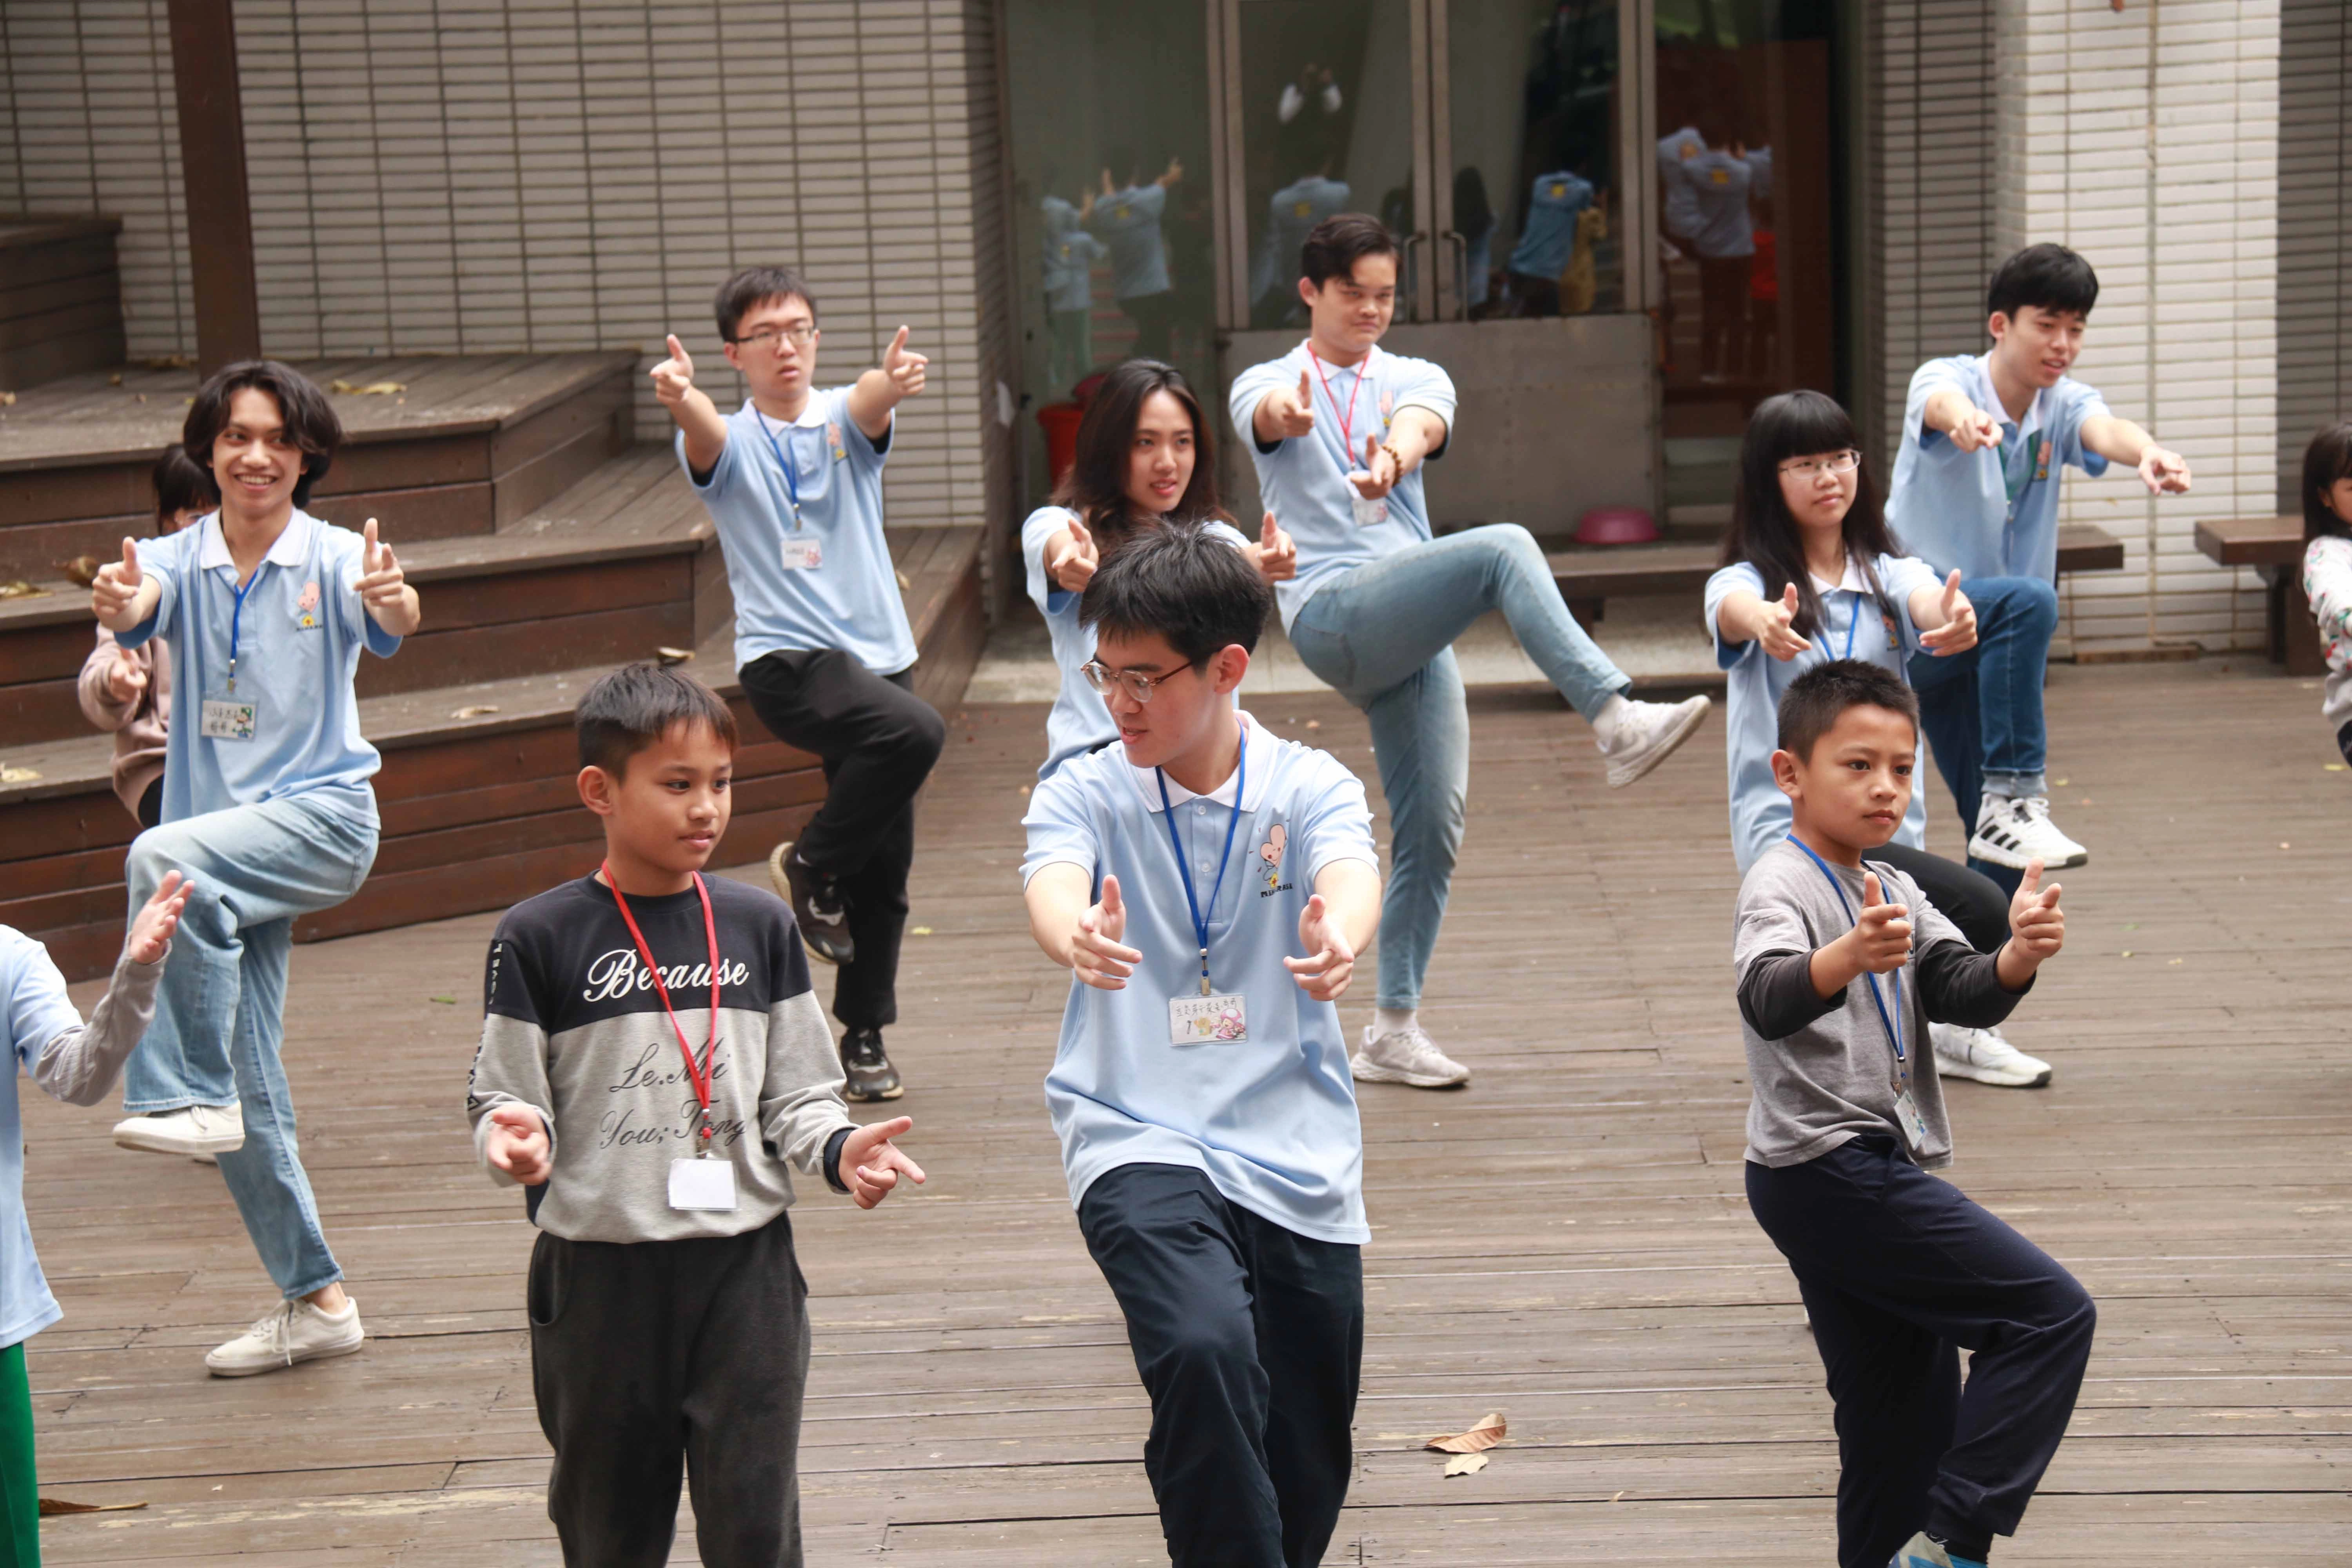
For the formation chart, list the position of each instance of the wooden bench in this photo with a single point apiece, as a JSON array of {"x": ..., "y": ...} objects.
[
  {"x": 1589, "y": 578},
  {"x": 2273, "y": 546}
]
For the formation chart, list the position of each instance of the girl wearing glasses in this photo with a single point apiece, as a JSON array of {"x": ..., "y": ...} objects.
[
  {"x": 1145, "y": 456},
  {"x": 1810, "y": 574}
]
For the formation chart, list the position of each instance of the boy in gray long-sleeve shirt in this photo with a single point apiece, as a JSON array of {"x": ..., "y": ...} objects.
[
  {"x": 1841, "y": 965},
  {"x": 652, "y": 1061}
]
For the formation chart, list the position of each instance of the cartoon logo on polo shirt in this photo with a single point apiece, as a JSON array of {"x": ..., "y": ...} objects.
[
  {"x": 307, "y": 607},
  {"x": 1271, "y": 852},
  {"x": 2042, "y": 462},
  {"x": 1558, "y": 189},
  {"x": 832, "y": 440}
]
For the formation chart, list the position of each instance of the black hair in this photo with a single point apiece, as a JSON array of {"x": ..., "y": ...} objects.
[
  {"x": 2048, "y": 275},
  {"x": 1817, "y": 699},
  {"x": 1334, "y": 246},
  {"x": 743, "y": 292},
  {"x": 310, "y": 420},
  {"x": 181, "y": 485},
  {"x": 1179, "y": 584},
  {"x": 1096, "y": 486},
  {"x": 635, "y": 706},
  {"x": 2327, "y": 459},
  {"x": 1763, "y": 536}
]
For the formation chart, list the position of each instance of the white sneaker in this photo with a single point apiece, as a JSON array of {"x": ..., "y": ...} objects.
[
  {"x": 192, "y": 1131},
  {"x": 1406, "y": 1056},
  {"x": 1647, "y": 733},
  {"x": 1982, "y": 1055},
  {"x": 2012, "y": 832},
  {"x": 293, "y": 1331}
]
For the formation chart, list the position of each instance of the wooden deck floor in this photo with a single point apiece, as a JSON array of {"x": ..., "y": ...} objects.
[{"x": 1565, "y": 1240}]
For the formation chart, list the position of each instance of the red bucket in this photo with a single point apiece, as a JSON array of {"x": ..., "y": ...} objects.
[{"x": 1060, "y": 422}]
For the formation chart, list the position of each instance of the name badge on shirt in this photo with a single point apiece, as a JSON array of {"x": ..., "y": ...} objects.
[
  {"x": 1370, "y": 513},
  {"x": 707, "y": 1185},
  {"x": 803, "y": 555},
  {"x": 1914, "y": 1125},
  {"x": 1208, "y": 1020},
  {"x": 222, "y": 720}
]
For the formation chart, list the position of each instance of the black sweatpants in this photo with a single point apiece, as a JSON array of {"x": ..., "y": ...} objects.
[
  {"x": 1968, "y": 897},
  {"x": 877, "y": 741},
  {"x": 1898, "y": 1269},
  {"x": 1250, "y": 1339},
  {"x": 646, "y": 1353}
]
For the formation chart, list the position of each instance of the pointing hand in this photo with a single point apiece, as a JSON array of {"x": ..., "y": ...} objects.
[
  {"x": 1277, "y": 552},
  {"x": 1779, "y": 634},
  {"x": 1097, "y": 955},
  {"x": 380, "y": 582},
  {"x": 116, "y": 588},
  {"x": 1330, "y": 961},
  {"x": 1292, "y": 412},
  {"x": 871, "y": 1163},
  {"x": 905, "y": 370},
  {"x": 1976, "y": 429},
  {"x": 674, "y": 377},
  {"x": 2164, "y": 472},
  {"x": 1958, "y": 634},
  {"x": 2037, "y": 925},
  {"x": 1071, "y": 564},
  {"x": 1882, "y": 936},
  {"x": 125, "y": 679}
]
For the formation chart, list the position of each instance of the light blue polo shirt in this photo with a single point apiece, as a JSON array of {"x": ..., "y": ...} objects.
[
  {"x": 1080, "y": 719},
  {"x": 1291, "y": 216},
  {"x": 1719, "y": 185},
  {"x": 39, "y": 1012},
  {"x": 1555, "y": 200},
  {"x": 1754, "y": 682},
  {"x": 1991, "y": 512},
  {"x": 850, "y": 599},
  {"x": 1270, "y": 1120},
  {"x": 1070, "y": 255},
  {"x": 298, "y": 638},
  {"x": 1129, "y": 224},
  {"x": 1682, "y": 201},
  {"x": 1303, "y": 480}
]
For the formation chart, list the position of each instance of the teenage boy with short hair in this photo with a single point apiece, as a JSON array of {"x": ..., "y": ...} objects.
[
  {"x": 267, "y": 809},
  {"x": 652, "y": 1061},
  {"x": 793, "y": 480},
  {"x": 1340, "y": 433},
  {"x": 1209, "y": 886},
  {"x": 1841, "y": 965},
  {"x": 1985, "y": 437}
]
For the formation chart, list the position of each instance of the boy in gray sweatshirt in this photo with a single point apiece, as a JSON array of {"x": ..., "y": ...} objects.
[{"x": 1841, "y": 965}]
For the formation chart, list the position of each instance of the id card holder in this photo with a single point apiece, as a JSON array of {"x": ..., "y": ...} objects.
[
  {"x": 222, "y": 719},
  {"x": 802, "y": 554},
  {"x": 1369, "y": 513},
  {"x": 707, "y": 1185},
  {"x": 1208, "y": 1020},
  {"x": 1915, "y": 1126}
]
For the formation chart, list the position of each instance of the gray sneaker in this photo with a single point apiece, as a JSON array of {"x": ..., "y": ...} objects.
[
  {"x": 1648, "y": 733},
  {"x": 1407, "y": 1056}
]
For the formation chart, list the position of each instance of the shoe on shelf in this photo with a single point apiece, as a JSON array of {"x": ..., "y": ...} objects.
[
  {"x": 2011, "y": 832},
  {"x": 866, "y": 1067},
  {"x": 816, "y": 903},
  {"x": 1647, "y": 733},
  {"x": 192, "y": 1131},
  {"x": 1982, "y": 1055},
  {"x": 291, "y": 1331},
  {"x": 1408, "y": 1056}
]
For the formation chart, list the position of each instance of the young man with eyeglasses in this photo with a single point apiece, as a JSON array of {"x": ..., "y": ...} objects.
[
  {"x": 1340, "y": 433},
  {"x": 793, "y": 480}
]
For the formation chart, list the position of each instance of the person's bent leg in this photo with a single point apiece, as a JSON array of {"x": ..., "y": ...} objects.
[
  {"x": 266, "y": 1176},
  {"x": 20, "y": 1492},
  {"x": 1947, "y": 688},
  {"x": 865, "y": 995},
  {"x": 881, "y": 738},
  {"x": 1308, "y": 1302},
  {"x": 1165, "y": 1241},
  {"x": 1969, "y": 899},
  {"x": 1421, "y": 739},
  {"x": 2016, "y": 618},
  {"x": 742, "y": 1396}
]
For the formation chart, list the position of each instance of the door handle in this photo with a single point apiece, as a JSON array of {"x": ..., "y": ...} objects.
[
  {"x": 1418, "y": 237},
  {"x": 1461, "y": 270}
]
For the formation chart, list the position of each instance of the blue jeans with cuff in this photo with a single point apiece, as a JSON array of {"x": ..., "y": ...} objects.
[
  {"x": 220, "y": 1014},
  {"x": 1382, "y": 636},
  {"x": 1981, "y": 710}
]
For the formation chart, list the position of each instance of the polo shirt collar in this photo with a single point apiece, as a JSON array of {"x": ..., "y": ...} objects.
[
  {"x": 1991, "y": 401},
  {"x": 292, "y": 547},
  {"x": 1147, "y": 780},
  {"x": 812, "y": 415},
  {"x": 1851, "y": 583}
]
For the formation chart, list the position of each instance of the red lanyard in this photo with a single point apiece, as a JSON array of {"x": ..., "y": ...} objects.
[
  {"x": 1347, "y": 420},
  {"x": 697, "y": 1073}
]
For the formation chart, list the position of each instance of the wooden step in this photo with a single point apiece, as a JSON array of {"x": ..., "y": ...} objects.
[
  {"x": 476, "y": 787},
  {"x": 474, "y": 443},
  {"x": 60, "y": 299}
]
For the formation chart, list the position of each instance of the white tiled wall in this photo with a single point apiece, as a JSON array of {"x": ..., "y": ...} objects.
[{"x": 486, "y": 176}]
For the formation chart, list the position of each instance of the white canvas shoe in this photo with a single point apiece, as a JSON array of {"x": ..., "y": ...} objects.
[
  {"x": 293, "y": 1332},
  {"x": 2013, "y": 832},
  {"x": 192, "y": 1131},
  {"x": 1407, "y": 1056},
  {"x": 1984, "y": 1057},
  {"x": 1647, "y": 733}
]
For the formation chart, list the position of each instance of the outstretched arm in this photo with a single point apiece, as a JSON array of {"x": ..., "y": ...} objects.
[
  {"x": 705, "y": 427},
  {"x": 880, "y": 390},
  {"x": 80, "y": 1065},
  {"x": 1336, "y": 925},
  {"x": 1413, "y": 435},
  {"x": 2163, "y": 470}
]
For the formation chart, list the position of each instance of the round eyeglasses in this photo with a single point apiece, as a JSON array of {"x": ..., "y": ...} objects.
[
  {"x": 1835, "y": 463},
  {"x": 1139, "y": 684}
]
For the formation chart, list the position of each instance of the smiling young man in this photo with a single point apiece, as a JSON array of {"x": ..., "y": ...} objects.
[
  {"x": 793, "y": 479},
  {"x": 1340, "y": 432},
  {"x": 1985, "y": 437},
  {"x": 1209, "y": 885},
  {"x": 266, "y": 808}
]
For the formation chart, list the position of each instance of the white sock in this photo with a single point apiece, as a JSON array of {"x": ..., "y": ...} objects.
[
  {"x": 1604, "y": 723},
  {"x": 1388, "y": 1020}
]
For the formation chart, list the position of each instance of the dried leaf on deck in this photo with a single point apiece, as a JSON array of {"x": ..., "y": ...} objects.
[
  {"x": 8, "y": 400},
  {"x": 19, "y": 589},
  {"x": 52, "y": 1507},
  {"x": 368, "y": 389},
  {"x": 475, "y": 710},
  {"x": 1487, "y": 1432},
  {"x": 16, "y": 775},
  {"x": 81, "y": 571},
  {"x": 669, "y": 656},
  {"x": 1465, "y": 1464}
]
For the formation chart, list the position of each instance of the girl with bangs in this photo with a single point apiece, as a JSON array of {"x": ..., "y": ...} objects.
[{"x": 2328, "y": 567}]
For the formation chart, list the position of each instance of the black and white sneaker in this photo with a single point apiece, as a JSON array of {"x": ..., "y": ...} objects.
[
  {"x": 816, "y": 903},
  {"x": 2016, "y": 832},
  {"x": 866, "y": 1067}
]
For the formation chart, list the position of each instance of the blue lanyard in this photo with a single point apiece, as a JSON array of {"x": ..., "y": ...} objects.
[
  {"x": 1894, "y": 1025},
  {"x": 783, "y": 461},
  {"x": 1183, "y": 869},
  {"x": 236, "y": 619}
]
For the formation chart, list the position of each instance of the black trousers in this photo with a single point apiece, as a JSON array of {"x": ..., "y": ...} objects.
[
  {"x": 1154, "y": 316},
  {"x": 649, "y": 1353},
  {"x": 1898, "y": 1269},
  {"x": 1968, "y": 899},
  {"x": 877, "y": 741},
  {"x": 1250, "y": 1339}
]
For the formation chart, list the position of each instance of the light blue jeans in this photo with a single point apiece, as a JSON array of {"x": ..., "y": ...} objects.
[
  {"x": 220, "y": 1014},
  {"x": 1383, "y": 636}
]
